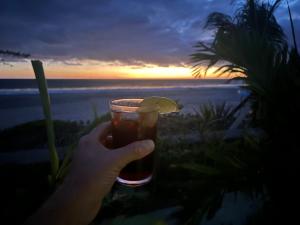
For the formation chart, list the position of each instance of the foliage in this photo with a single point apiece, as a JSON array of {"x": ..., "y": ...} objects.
[
  {"x": 196, "y": 177},
  {"x": 252, "y": 44},
  {"x": 246, "y": 43},
  {"x": 192, "y": 175},
  {"x": 32, "y": 135},
  {"x": 175, "y": 124},
  {"x": 214, "y": 117}
]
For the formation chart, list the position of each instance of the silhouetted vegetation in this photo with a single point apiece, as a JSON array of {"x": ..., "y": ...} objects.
[
  {"x": 14, "y": 53},
  {"x": 7, "y": 53},
  {"x": 188, "y": 174},
  {"x": 252, "y": 45},
  {"x": 32, "y": 135}
]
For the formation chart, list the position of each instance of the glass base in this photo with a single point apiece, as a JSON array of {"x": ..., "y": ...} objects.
[{"x": 134, "y": 183}]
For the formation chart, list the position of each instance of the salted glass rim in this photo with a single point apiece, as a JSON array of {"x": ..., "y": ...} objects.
[{"x": 125, "y": 104}]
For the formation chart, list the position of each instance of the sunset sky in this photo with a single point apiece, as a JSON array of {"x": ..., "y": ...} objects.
[{"x": 110, "y": 39}]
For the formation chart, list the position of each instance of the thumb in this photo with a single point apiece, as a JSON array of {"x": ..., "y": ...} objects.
[{"x": 133, "y": 151}]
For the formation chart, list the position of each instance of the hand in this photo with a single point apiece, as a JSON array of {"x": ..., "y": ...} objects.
[{"x": 93, "y": 171}]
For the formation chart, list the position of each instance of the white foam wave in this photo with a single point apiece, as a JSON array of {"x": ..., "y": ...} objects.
[{"x": 86, "y": 90}]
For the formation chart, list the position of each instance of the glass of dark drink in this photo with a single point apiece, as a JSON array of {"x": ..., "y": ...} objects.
[{"x": 130, "y": 124}]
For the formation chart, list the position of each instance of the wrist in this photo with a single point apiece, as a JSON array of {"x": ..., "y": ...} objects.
[
  {"x": 70, "y": 204},
  {"x": 84, "y": 189}
]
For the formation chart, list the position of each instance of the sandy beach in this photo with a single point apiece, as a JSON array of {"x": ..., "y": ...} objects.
[{"x": 16, "y": 109}]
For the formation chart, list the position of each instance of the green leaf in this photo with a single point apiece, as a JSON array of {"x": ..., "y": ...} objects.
[{"x": 45, "y": 99}]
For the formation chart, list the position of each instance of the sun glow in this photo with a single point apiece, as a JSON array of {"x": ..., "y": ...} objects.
[
  {"x": 93, "y": 69},
  {"x": 157, "y": 72}
]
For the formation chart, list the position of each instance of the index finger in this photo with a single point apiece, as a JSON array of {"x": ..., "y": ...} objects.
[{"x": 101, "y": 131}]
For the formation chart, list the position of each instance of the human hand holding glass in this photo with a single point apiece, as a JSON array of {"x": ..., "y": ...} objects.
[{"x": 93, "y": 171}]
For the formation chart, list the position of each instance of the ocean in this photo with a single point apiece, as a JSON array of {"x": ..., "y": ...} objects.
[
  {"x": 62, "y": 86},
  {"x": 75, "y": 99}
]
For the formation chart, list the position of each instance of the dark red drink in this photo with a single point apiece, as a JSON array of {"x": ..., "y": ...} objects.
[{"x": 130, "y": 125}]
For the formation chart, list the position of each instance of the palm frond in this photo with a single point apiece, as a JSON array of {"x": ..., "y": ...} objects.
[
  {"x": 217, "y": 20},
  {"x": 292, "y": 27},
  {"x": 251, "y": 42}
]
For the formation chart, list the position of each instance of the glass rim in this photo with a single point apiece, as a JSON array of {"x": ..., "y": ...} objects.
[{"x": 123, "y": 104}]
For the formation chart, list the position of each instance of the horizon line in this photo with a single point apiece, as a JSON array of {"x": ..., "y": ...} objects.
[{"x": 192, "y": 78}]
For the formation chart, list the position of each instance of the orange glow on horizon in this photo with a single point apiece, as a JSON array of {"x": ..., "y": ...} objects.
[
  {"x": 157, "y": 72},
  {"x": 91, "y": 69}
]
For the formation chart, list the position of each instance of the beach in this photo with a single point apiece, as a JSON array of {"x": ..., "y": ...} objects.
[{"x": 76, "y": 101}]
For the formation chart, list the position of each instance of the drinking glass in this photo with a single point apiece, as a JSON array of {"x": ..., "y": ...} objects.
[{"x": 130, "y": 124}]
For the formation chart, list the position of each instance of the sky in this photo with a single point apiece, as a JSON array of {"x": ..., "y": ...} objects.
[{"x": 110, "y": 39}]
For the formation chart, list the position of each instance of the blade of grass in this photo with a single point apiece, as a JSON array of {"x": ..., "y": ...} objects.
[
  {"x": 63, "y": 169},
  {"x": 43, "y": 90},
  {"x": 292, "y": 27}
]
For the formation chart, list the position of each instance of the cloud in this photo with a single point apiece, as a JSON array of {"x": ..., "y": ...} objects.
[{"x": 129, "y": 31}]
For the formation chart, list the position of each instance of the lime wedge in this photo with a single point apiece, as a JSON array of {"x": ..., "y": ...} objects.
[{"x": 161, "y": 104}]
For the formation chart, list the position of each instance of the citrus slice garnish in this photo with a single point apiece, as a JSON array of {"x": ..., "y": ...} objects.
[{"x": 161, "y": 104}]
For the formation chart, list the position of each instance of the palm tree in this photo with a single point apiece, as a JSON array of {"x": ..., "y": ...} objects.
[
  {"x": 250, "y": 32},
  {"x": 252, "y": 45},
  {"x": 248, "y": 44}
]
